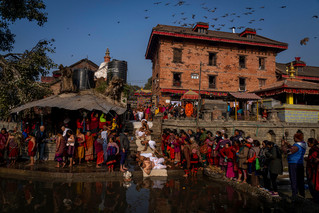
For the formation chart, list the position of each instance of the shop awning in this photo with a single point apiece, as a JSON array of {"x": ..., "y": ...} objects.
[
  {"x": 190, "y": 95},
  {"x": 245, "y": 96},
  {"x": 88, "y": 100}
]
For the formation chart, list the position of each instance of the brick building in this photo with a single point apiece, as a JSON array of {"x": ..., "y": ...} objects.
[{"x": 230, "y": 62}]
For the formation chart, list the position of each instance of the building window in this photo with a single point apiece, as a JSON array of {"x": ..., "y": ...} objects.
[
  {"x": 212, "y": 59},
  {"x": 262, "y": 82},
  {"x": 242, "y": 84},
  {"x": 177, "y": 55},
  {"x": 299, "y": 69},
  {"x": 212, "y": 82},
  {"x": 261, "y": 63},
  {"x": 194, "y": 76},
  {"x": 177, "y": 79},
  {"x": 242, "y": 61}
]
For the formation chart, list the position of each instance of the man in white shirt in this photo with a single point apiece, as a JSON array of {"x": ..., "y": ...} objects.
[{"x": 65, "y": 130}]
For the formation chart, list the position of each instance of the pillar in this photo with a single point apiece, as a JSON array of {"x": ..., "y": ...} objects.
[{"x": 290, "y": 98}]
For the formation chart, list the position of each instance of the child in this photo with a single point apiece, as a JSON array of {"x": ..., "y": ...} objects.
[
  {"x": 112, "y": 151},
  {"x": 32, "y": 150},
  {"x": 60, "y": 146}
]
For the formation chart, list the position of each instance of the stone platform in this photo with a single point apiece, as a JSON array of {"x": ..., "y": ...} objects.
[{"x": 85, "y": 172}]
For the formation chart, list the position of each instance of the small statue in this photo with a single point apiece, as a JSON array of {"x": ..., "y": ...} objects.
[
  {"x": 115, "y": 88},
  {"x": 66, "y": 80}
]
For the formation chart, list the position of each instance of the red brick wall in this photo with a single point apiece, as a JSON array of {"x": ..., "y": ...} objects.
[{"x": 227, "y": 70}]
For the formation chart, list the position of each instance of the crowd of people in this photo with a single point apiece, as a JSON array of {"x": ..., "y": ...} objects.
[
  {"x": 243, "y": 159},
  {"x": 169, "y": 111},
  {"x": 94, "y": 139}
]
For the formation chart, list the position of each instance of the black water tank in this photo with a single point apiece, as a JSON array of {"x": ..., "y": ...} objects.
[
  {"x": 83, "y": 78},
  {"x": 117, "y": 68}
]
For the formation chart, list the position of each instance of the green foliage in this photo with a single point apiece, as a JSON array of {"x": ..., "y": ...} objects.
[
  {"x": 129, "y": 90},
  {"x": 19, "y": 73},
  {"x": 13, "y": 10},
  {"x": 148, "y": 85},
  {"x": 101, "y": 87}
]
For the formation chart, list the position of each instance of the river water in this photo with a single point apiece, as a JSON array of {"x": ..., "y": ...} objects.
[{"x": 148, "y": 195}]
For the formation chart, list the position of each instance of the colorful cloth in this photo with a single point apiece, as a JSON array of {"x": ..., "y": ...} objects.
[
  {"x": 189, "y": 110},
  {"x": 89, "y": 148},
  {"x": 31, "y": 152},
  {"x": 13, "y": 149},
  {"x": 100, "y": 158},
  {"x": 80, "y": 153}
]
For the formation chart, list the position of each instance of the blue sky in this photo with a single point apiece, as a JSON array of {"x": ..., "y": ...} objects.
[{"x": 85, "y": 28}]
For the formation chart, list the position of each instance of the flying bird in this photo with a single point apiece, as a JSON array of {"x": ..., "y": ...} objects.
[
  {"x": 304, "y": 41},
  {"x": 193, "y": 16},
  {"x": 261, "y": 19},
  {"x": 205, "y": 17},
  {"x": 157, "y": 3},
  {"x": 283, "y": 6},
  {"x": 315, "y": 16},
  {"x": 146, "y": 17},
  {"x": 180, "y": 3}
]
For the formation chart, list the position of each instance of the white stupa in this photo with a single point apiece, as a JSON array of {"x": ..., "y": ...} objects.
[{"x": 102, "y": 71}]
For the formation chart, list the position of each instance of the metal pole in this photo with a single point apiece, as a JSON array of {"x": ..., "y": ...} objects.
[
  {"x": 257, "y": 111},
  {"x": 199, "y": 100},
  {"x": 235, "y": 109}
]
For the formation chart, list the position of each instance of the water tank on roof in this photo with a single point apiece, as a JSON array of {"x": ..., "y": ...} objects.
[
  {"x": 83, "y": 78},
  {"x": 117, "y": 68}
]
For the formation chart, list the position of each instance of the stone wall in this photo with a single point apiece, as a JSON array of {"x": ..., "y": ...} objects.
[
  {"x": 8, "y": 125},
  {"x": 258, "y": 130},
  {"x": 294, "y": 113}
]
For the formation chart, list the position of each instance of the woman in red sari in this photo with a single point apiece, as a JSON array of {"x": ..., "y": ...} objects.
[
  {"x": 13, "y": 148},
  {"x": 89, "y": 147},
  {"x": 60, "y": 147},
  {"x": 32, "y": 150},
  {"x": 98, "y": 145},
  {"x": 312, "y": 168}
]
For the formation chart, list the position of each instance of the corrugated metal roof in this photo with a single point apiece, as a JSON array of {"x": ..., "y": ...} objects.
[
  {"x": 246, "y": 96},
  {"x": 88, "y": 100}
]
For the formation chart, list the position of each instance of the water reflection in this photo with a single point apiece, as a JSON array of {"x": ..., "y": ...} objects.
[{"x": 148, "y": 195}]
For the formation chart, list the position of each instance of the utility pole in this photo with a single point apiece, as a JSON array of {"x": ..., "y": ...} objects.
[{"x": 200, "y": 99}]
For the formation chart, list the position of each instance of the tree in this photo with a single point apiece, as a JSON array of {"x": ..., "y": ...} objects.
[
  {"x": 19, "y": 75},
  {"x": 12, "y": 10},
  {"x": 148, "y": 85}
]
